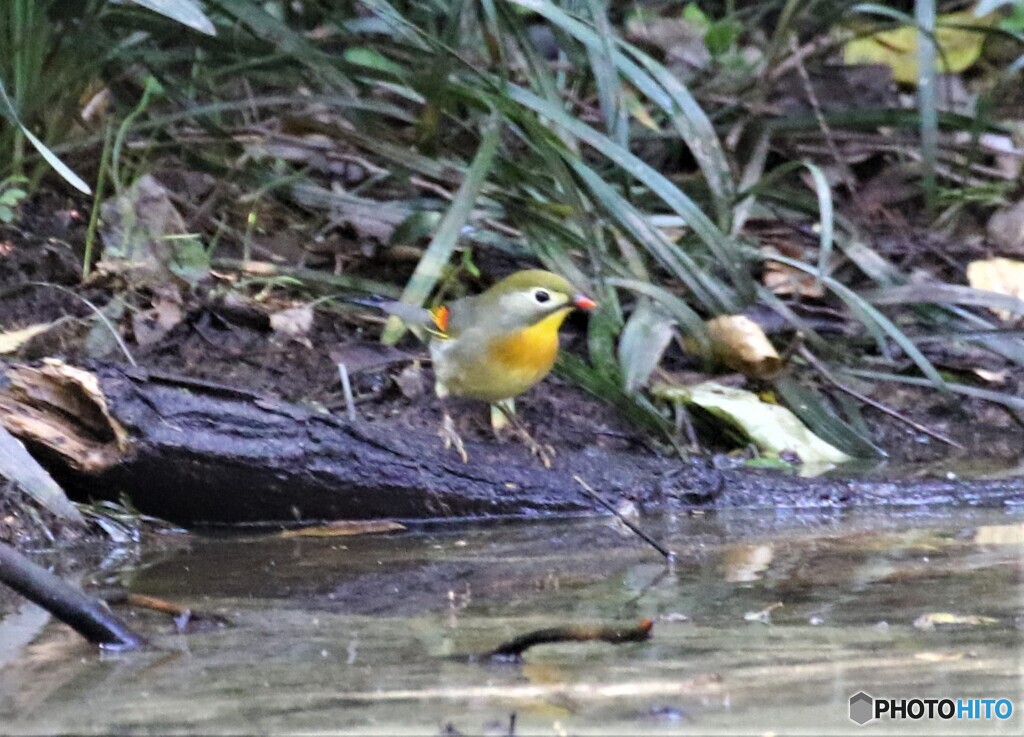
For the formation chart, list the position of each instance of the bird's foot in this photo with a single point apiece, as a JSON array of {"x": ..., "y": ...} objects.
[
  {"x": 451, "y": 437},
  {"x": 542, "y": 451}
]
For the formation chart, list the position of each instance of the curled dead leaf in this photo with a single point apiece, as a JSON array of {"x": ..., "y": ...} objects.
[
  {"x": 153, "y": 324},
  {"x": 740, "y": 343}
]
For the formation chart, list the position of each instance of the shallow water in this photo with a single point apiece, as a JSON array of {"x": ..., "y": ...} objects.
[{"x": 368, "y": 634}]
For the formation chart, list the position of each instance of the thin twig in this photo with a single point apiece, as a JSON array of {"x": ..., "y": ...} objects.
[
  {"x": 826, "y": 131},
  {"x": 669, "y": 555},
  {"x": 823, "y": 370}
]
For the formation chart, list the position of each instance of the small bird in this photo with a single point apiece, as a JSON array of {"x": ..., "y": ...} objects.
[{"x": 495, "y": 345}]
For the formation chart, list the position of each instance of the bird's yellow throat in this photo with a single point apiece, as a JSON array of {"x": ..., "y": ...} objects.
[{"x": 531, "y": 350}]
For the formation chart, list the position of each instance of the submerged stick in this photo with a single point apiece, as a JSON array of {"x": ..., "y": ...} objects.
[
  {"x": 182, "y": 615},
  {"x": 514, "y": 648},
  {"x": 85, "y": 614}
]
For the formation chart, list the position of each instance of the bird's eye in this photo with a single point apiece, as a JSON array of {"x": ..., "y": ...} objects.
[{"x": 541, "y": 296}]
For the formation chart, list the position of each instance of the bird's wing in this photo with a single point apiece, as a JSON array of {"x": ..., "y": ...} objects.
[{"x": 437, "y": 321}]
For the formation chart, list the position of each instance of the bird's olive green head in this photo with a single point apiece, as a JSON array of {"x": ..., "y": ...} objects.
[{"x": 527, "y": 297}]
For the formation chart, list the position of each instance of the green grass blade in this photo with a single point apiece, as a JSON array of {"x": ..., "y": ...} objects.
[
  {"x": 826, "y": 219},
  {"x": 927, "y": 97},
  {"x": 440, "y": 249},
  {"x": 691, "y": 322},
  {"x": 1010, "y": 401},
  {"x": 186, "y": 12},
  {"x": 8, "y": 111},
  {"x": 812, "y": 408},
  {"x": 663, "y": 89},
  {"x": 945, "y": 294},
  {"x": 720, "y": 245},
  {"x": 871, "y": 318},
  {"x": 714, "y": 296},
  {"x": 279, "y": 34}
]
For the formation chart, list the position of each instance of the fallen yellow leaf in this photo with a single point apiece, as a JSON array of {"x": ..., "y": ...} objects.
[
  {"x": 959, "y": 46},
  {"x": 1001, "y": 275},
  {"x": 772, "y": 428}
]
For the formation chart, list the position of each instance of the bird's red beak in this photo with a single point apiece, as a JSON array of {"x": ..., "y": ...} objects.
[{"x": 583, "y": 302}]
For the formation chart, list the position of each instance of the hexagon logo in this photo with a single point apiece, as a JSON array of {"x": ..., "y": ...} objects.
[{"x": 862, "y": 708}]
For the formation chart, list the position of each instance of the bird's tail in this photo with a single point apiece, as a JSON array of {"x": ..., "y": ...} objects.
[{"x": 413, "y": 316}]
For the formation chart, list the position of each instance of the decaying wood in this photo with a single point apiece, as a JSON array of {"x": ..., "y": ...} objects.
[{"x": 192, "y": 451}]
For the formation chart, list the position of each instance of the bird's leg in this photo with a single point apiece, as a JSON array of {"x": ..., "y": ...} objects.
[
  {"x": 503, "y": 416},
  {"x": 447, "y": 431}
]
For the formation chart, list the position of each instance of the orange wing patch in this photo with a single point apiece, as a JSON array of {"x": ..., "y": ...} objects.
[{"x": 441, "y": 314}]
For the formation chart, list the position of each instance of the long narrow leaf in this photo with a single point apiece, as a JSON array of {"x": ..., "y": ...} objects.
[
  {"x": 8, "y": 111},
  {"x": 186, "y": 12},
  {"x": 428, "y": 270},
  {"x": 677, "y": 308},
  {"x": 665, "y": 91},
  {"x": 723, "y": 249},
  {"x": 870, "y": 317},
  {"x": 705, "y": 288},
  {"x": 945, "y": 294}
]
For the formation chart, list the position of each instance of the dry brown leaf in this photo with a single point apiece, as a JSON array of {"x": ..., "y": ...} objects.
[
  {"x": 294, "y": 322},
  {"x": 137, "y": 225},
  {"x": 1000, "y": 275},
  {"x": 411, "y": 381},
  {"x": 1005, "y": 229},
  {"x": 740, "y": 343},
  {"x": 782, "y": 278},
  {"x": 13, "y": 340},
  {"x": 346, "y": 528}
]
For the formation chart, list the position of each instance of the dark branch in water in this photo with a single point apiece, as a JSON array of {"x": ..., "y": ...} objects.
[
  {"x": 88, "y": 616},
  {"x": 513, "y": 649}
]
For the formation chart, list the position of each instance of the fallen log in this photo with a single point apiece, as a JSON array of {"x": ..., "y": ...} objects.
[{"x": 195, "y": 452}]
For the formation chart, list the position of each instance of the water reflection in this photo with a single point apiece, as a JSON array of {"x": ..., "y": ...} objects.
[{"x": 363, "y": 634}]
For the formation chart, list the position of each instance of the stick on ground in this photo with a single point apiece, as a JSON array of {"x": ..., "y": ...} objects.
[{"x": 87, "y": 615}]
